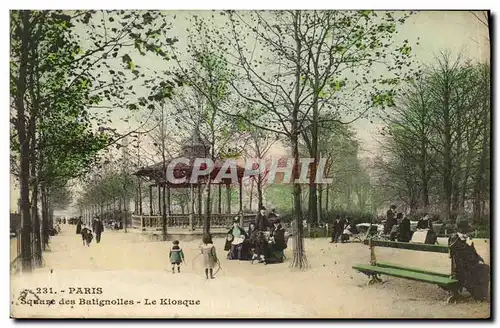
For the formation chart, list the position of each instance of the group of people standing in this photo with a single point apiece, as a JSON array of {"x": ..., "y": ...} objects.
[
  {"x": 88, "y": 232},
  {"x": 342, "y": 228},
  {"x": 264, "y": 241}
]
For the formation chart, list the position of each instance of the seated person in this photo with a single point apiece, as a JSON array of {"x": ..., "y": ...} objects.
[
  {"x": 251, "y": 229},
  {"x": 393, "y": 235},
  {"x": 234, "y": 241},
  {"x": 469, "y": 268},
  {"x": 249, "y": 243},
  {"x": 424, "y": 226},
  {"x": 277, "y": 243},
  {"x": 404, "y": 233},
  {"x": 424, "y": 222},
  {"x": 348, "y": 231}
]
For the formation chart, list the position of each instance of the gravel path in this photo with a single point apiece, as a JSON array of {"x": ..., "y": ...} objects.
[{"x": 128, "y": 268}]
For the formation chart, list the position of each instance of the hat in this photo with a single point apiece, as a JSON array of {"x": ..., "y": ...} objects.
[
  {"x": 175, "y": 242},
  {"x": 263, "y": 208},
  {"x": 236, "y": 219},
  {"x": 463, "y": 226},
  {"x": 393, "y": 206}
]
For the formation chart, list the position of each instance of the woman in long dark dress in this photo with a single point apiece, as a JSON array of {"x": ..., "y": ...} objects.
[
  {"x": 278, "y": 244},
  {"x": 404, "y": 229},
  {"x": 469, "y": 268},
  {"x": 79, "y": 226}
]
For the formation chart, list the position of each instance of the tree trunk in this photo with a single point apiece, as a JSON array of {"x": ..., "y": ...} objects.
[
  {"x": 228, "y": 199},
  {"x": 447, "y": 153},
  {"x": 219, "y": 199},
  {"x": 45, "y": 218},
  {"x": 479, "y": 183},
  {"x": 251, "y": 194},
  {"x": 208, "y": 208},
  {"x": 34, "y": 207},
  {"x": 260, "y": 196},
  {"x": 424, "y": 171},
  {"x": 164, "y": 214},
  {"x": 327, "y": 199},
  {"x": 313, "y": 197},
  {"x": 140, "y": 197},
  {"x": 24, "y": 152},
  {"x": 36, "y": 227},
  {"x": 320, "y": 204},
  {"x": 199, "y": 204},
  {"x": 299, "y": 257}
]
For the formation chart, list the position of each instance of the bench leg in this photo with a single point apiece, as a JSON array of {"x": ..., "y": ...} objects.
[
  {"x": 374, "y": 279},
  {"x": 455, "y": 295}
]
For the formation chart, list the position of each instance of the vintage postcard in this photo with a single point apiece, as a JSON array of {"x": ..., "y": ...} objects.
[{"x": 250, "y": 164}]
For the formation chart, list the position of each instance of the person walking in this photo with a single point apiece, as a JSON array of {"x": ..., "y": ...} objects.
[
  {"x": 87, "y": 236},
  {"x": 337, "y": 230},
  {"x": 98, "y": 228},
  {"x": 79, "y": 226},
  {"x": 176, "y": 256}
]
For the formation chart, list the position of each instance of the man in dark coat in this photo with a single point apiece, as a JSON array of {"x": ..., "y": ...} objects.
[
  {"x": 98, "y": 228},
  {"x": 336, "y": 231},
  {"x": 391, "y": 219},
  {"x": 470, "y": 269},
  {"x": 342, "y": 225},
  {"x": 261, "y": 221}
]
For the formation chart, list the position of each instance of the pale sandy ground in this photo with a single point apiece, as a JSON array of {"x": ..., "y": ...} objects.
[{"x": 130, "y": 267}]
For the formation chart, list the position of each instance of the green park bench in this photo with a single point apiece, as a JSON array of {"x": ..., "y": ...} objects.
[{"x": 375, "y": 269}]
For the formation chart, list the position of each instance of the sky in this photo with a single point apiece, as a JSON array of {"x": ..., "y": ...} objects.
[{"x": 458, "y": 32}]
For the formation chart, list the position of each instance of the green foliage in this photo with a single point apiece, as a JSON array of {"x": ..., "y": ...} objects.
[
  {"x": 61, "y": 198},
  {"x": 109, "y": 187},
  {"x": 280, "y": 196},
  {"x": 69, "y": 71}
]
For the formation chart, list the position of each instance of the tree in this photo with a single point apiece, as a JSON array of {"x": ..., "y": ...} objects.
[
  {"x": 258, "y": 145},
  {"x": 293, "y": 67},
  {"x": 436, "y": 140},
  {"x": 207, "y": 76},
  {"x": 64, "y": 78}
]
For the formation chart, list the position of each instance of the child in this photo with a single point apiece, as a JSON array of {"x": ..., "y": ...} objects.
[
  {"x": 87, "y": 236},
  {"x": 176, "y": 256},
  {"x": 209, "y": 255}
]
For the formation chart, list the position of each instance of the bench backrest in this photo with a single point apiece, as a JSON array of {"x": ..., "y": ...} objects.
[{"x": 409, "y": 246}]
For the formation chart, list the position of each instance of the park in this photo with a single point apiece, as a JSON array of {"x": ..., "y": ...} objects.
[{"x": 256, "y": 164}]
